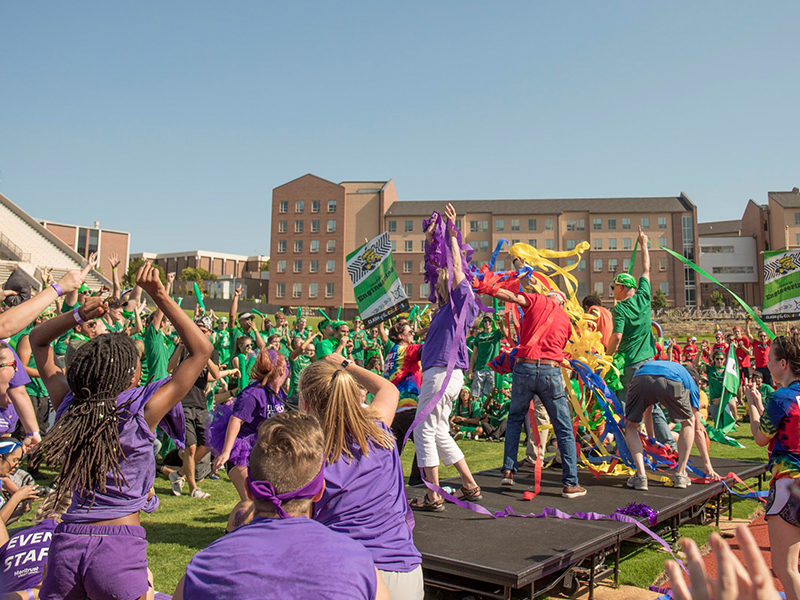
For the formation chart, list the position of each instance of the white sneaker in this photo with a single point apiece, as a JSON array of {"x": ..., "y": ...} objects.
[
  {"x": 638, "y": 483},
  {"x": 177, "y": 483},
  {"x": 199, "y": 494}
]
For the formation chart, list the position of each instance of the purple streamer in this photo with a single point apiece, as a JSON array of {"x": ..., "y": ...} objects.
[{"x": 640, "y": 510}]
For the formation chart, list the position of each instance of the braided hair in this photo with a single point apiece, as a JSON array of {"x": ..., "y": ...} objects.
[{"x": 85, "y": 441}]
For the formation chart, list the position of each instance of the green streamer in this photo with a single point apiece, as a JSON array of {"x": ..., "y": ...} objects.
[
  {"x": 744, "y": 304},
  {"x": 198, "y": 295},
  {"x": 633, "y": 257}
]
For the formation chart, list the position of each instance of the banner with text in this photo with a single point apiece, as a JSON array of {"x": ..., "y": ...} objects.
[
  {"x": 781, "y": 285},
  {"x": 379, "y": 293}
]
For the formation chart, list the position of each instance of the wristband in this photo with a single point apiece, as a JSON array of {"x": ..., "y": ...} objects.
[
  {"x": 77, "y": 316},
  {"x": 30, "y": 594},
  {"x": 32, "y": 433},
  {"x": 345, "y": 364},
  {"x": 58, "y": 289}
]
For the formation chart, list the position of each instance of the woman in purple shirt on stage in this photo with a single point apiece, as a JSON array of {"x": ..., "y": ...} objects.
[
  {"x": 103, "y": 441},
  {"x": 365, "y": 494}
]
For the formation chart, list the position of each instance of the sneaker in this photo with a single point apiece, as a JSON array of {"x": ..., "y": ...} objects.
[
  {"x": 458, "y": 435},
  {"x": 572, "y": 491},
  {"x": 177, "y": 483},
  {"x": 199, "y": 494},
  {"x": 214, "y": 477},
  {"x": 638, "y": 482},
  {"x": 682, "y": 482},
  {"x": 508, "y": 478}
]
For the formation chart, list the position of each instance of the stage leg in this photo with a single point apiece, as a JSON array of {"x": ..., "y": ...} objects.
[
  {"x": 730, "y": 507},
  {"x": 591, "y": 576},
  {"x": 760, "y": 481},
  {"x": 717, "y": 510},
  {"x": 616, "y": 563}
]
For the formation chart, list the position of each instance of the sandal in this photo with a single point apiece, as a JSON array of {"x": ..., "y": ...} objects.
[
  {"x": 470, "y": 495},
  {"x": 427, "y": 505}
]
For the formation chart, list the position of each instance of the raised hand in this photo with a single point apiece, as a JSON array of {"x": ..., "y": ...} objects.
[
  {"x": 432, "y": 225},
  {"x": 94, "y": 308},
  {"x": 450, "y": 213},
  {"x": 643, "y": 239},
  {"x": 94, "y": 260},
  {"x": 238, "y": 291},
  {"x": 113, "y": 259},
  {"x": 170, "y": 277},
  {"x": 147, "y": 278},
  {"x": 72, "y": 280}
]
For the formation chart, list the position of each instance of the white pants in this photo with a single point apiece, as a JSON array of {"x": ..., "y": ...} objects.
[
  {"x": 404, "y": 586},
  {"x": 432, "y": 439}
]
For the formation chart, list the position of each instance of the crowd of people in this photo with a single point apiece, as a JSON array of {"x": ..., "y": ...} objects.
[{"x": 308, "y": 423}]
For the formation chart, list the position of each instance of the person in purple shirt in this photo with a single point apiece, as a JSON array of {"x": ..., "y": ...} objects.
[
  {"x": 295, "y": 556},
  {"x": 234, "y": 427},
  {"x": 103, "y": 440},
  {"x": 432, "y": 439},
  {"x": 365, "y": 494}
]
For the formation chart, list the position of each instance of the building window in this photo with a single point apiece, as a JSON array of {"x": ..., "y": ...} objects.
[
  {"x": 549, "y": 244},
  {"x": 313, "y": 266},
  {"x": 473, "y": 227},
  {"x": 315, "y": 206},
  {"x": 626, "y": 243},
  {"x": 331, "y": 225},
  {"x": 280, "y": 290},
  {"x": 598, "y": 288},
  {"x": 626, "y": 222},
  {"x": 597, "y": 244},
  {"x": 598, "y": 265},
  {"x": 484, "y": 226},
  {"x": 298, "y": 227},
  {"x": 458, "y": 225},
  {"x": 612, "y": 265},
  {"x": 474, "y": 246},
  {"x": 645, "y": 223},
  {"x": 394, "y": 246},
  {"x": 662, "y": 264},
  {"x": 665, "y": 287},
  {"x": 662, "y": 241},
  {"x": 499, "y": 224},
  {"x": 408, "y": 246},
  {"x": 484, "y": 246},
  {"x": 407, "y": 266},
  {"x": 570, "y": 224},
  {"x": 580, "y": 225},
  {"x": 422, "y": 245},
  {"x": 332, "y": 246},
  {"x": 299, "y": 206},
  {"x": 313, "y": 290},
  {"x": 331, "y": 206},
  {"x": 392, "y": 226},
  {"x": 531, "y": 224},
  {"x": 330, "y": 266},
  {"x": 281, "y": 245},
  {"x": 732, "y": 270},
  {"x": 612, "y": 224},
  {"x": 532, "y": 243},
  {"x": 283, "y": 206},
  {"x": 514, "y": 242},
  {"x": 298, "y": 266},
  {"x": 626, "y": 264},
  {"x": 424, "y": 290},
  {"x": 514, "y": 224},
  {"x": 408, "y": 289},
  {"x": 314, "y": 245},
  {"x": 329, "y": 289},
  {"x": 716, "y": 249},
  {"x": 570, "y": 244},
  {"x": 315, "y": 226},
  {"x": 549, "y": 224},
  {"x": 581, "y": 288},
  {"x": 422, "y": 266},
  {"x": 612, "y": 243},
  {"x": 500, "y": 265},
  {"x": 283, "y": 226},
  {"x": 662, "y": 222},
  {"x": 797, "y": 218},
  {"x": 281, "y": 266},
  {"x": 297, "y": 290},
  {"x": 597, "y": 224},
  {"x": 298, "y": 245},
  {"x": 409, "y": 226},
  {"x": 581, "y": 265}
]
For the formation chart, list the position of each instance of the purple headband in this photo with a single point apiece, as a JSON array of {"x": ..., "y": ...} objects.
[{"x": 263, "y": 490}]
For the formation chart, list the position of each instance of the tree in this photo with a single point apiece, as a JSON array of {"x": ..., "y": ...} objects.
[
  {"x": 129, "y": 280},
  {"x": 196, "y": 275},
  {"x": 659, "y": 299},
  {"x": 264, "y": 266},
  {"x": 717, "y": 299}
]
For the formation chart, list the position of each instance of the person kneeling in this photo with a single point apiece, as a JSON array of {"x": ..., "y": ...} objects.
[{"x": 286, "y": 475}]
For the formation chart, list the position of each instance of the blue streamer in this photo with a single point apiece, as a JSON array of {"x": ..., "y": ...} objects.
[{"x": 497, "y": 250}]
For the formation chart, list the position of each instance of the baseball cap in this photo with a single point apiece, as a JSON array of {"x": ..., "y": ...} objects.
[
  {"x": 205, "y": 322},
  {"x": 84, "y": 289},
  {"x": 223, "y": 319},
  {"x": 626, "y": 280},
  {"x": 246, "y": 316}
]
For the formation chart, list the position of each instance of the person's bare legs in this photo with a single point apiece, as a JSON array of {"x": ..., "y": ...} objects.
[
  {"x": 685, "y": 441},
  {"x": 784, "y": 541},
  {"x": 238, "y": 477},
  {"x": 635, "y": 446},
  {"x": 191, "y": 456},
  {"x": 467, "y": 480}
]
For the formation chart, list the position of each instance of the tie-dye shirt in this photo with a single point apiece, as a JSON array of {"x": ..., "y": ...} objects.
[
  {"x": 781, "y": 423},
  {"x": 402, "y": 368}
]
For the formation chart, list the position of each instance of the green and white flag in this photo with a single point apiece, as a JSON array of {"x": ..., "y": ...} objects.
[
  {"x": 781, "y": 285},
  {"x": 379, "y": 293},
  {"x": 730, "y": 385}
]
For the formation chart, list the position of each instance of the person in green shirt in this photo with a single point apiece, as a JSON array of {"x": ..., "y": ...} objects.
[
  {"x": 246, "y": 322},
  {"x": 334, "y": 339},
  {"x": 495, "y": 415},
  {"x": 113, "y": 319},
  {"x": 299, "y": 329},
  {"x": 243, "y": 360},
  {"x": 466, "y": 418},
  {"x": 222, "y": 341},
  {"x": 485, "y": 345},
  {"x": 302, "y": 355},
  {"x": 758, "y": 380},
  {"x": 357, "y": 335},
  {"x": 157, "y": 346}
]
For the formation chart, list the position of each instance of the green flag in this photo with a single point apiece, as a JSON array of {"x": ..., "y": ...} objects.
[{"x": 730, "y": 385}]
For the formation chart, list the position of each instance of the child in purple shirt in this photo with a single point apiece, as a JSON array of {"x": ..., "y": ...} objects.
[
  {"x": 365, "y": 495},
  {"x": 234, "y": 427},
  {"x": 103, "y": 442},
  {"x": 296, "y": 557}
]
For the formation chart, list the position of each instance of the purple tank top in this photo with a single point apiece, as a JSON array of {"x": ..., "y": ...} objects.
[
  {"x": 8, "y": 419},
  {"x": 138, "y": 466},
  {"x": 255, "y": 404},
  {"x": 24, "y": 555},
  {"x": 365, "y": 498}
]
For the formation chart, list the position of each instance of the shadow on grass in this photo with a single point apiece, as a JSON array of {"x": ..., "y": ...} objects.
[{"x": 183, "y": 534}]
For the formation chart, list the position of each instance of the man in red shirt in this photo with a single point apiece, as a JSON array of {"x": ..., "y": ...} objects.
[
  {"x": 592, "y": 305},
  {"x": 742, "y": 345},
  {"x": 761, "y": 352},
  {"x": 720, "y": 345},
  {"x": 674, "y": 350},
  {"x": 543, "y": 335},
  {"x": 690, "y": 349}
]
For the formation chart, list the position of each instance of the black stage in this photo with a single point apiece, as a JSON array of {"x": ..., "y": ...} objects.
[{"x": 462, "y": 550}]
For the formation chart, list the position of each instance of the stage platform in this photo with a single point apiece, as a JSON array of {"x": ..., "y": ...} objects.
[{"x": 462, "y": 550}]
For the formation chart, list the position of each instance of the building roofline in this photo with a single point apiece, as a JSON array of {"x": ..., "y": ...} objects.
[
  {"x": 301, "y": 177},
  {"x": 45, "y": 222},
  {"x": 196, "y": 253}
]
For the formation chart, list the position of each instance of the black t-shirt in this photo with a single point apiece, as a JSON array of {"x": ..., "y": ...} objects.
[{"x": 196, "y": 396}]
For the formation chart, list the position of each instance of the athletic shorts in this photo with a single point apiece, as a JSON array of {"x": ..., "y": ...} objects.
[
  {"x": 782, "y": 503},
  {"x": 745, "y": 372},
  {"x": 647, "y": 390},
  {"x": 102, "y": 562},
  {"x": 195, "y": 425},
  {"x": 482, "y": 383}
]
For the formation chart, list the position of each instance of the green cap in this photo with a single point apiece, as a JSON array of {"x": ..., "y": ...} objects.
[
  {"x": 84, "y": 289},
  {"x": 626, "y": 280},
  {"x": 337, "y": 323}
]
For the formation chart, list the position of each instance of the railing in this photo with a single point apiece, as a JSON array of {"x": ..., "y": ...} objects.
[
  {"x": 10, "y": 249},
  {"x": 701, "y": 314}
]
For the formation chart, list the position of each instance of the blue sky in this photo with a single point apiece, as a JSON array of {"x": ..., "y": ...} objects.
[{"x": 175, "y": 121}]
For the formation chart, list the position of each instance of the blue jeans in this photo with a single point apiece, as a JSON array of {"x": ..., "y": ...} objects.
[
  {"x": 660, "y": 426},
  {"x": 530, "y": 380}
]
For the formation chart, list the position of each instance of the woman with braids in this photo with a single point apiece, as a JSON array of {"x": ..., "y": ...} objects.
[
  {"x": 779, "y": 426},
  {"x": 234, "y": 426},
  {"x": 364, "y": 494},
  {"x": 103, "y": 441}
]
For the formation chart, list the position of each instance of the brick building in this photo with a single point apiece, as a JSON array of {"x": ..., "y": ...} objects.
[
  {"x": 316, "y": 223},
  {"x": 85, "y": 240}
]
